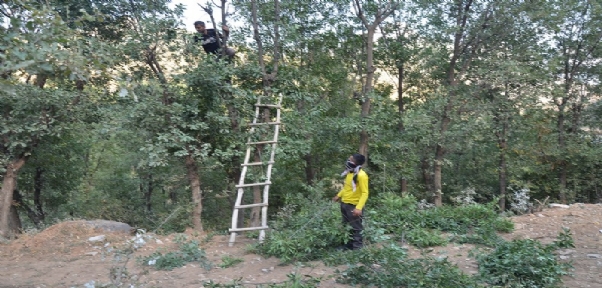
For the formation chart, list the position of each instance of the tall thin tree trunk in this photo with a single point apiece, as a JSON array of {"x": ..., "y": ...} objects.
[
  {"x": 425, "y": 167},
  {"x": 18, "y": 201},
  {"x": 37, "y": 193},
  {"x": 9, "y": 183},
  {"x": 562, "y": 165},
  {"x": 256, "y": 211},
  {"x": 310, "y": 171},
  {"x": 197, "y": 197},
  {"x": 403, "y": 183},
  {"x": 149, "y": 193},
  {"x": 502, "y": 173},
  {"x": 437, "y": 167}
]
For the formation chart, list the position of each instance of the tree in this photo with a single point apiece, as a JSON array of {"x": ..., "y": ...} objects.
[{"x": 36, "y": 43}]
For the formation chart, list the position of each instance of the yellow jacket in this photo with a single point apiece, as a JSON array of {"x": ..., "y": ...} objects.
[{"x": 360, "y": 195}]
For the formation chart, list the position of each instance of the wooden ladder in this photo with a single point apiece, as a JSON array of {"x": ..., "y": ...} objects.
[{"x": 251, "y": 146}]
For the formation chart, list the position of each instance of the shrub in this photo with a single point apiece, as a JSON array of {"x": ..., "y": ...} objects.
[
  {"x": 188, "y": 252},
  {"x": 425, "y": 238},
  {"x": 388, "y": 267},
  {"x": 305, "y": 235},
  {"x": 228, "y": 261},
  {"x": 522, "y": 263}
]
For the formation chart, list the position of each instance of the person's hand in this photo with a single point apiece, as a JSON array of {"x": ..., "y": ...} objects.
[
  {"x": 225, "y": 28},
  {"x": 357, "y": 212},
  {"x": 336, "y": 198}
]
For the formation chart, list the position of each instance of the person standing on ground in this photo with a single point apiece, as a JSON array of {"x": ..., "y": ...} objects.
[{"x": 353, "y": 197}]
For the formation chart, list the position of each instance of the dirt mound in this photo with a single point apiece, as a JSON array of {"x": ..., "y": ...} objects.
[{"x": 68, "y": 238}]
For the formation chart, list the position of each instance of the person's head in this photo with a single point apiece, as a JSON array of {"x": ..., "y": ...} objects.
[
  {"x": 354, "y": 161},
  {"x": 358, "y": 159},
  {"x": 199, "y": 26}
]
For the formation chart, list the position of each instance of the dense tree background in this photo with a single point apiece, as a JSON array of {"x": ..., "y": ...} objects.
[{"x": 109, "y": 110}]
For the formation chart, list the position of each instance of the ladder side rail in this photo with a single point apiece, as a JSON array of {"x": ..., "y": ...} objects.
[
  {"x": 266, "y": 189},
  {"x": 243, "y": 174}
]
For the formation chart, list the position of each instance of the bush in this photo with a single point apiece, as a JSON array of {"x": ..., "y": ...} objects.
[
  {"x": 388, "y": 267},
  {"x": 307, "y": 234},
  {"x": 522, "y": 263},
  {"x": 425, "y": 238},
  {"x": 188, "y": 252}
]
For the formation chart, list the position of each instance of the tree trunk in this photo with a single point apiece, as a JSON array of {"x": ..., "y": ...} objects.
[
  {"x": 256, "y": 211},
  {"x": 426, "y": 174},
  {"x": 37, "y": 192},
  {"x": 437, "y": 167},
  {"x": 195, "y": 187},
  {"x": 310, "y": 172},
  {"x": 403, "y": 183},
  {"x": 18, "y": 202},
  {"x": 15, "y": 221},
  {"x": 9, "y": 182},
  {"x": 562, "y": 147},
  {"x": 364, "y": 136},
  {"x": 502, "y": 173},
  {"x": 149, "y": 193}
]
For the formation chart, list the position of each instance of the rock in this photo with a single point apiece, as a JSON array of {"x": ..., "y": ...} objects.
[
  {"x": 265, "y": 270},
  {"x": 98, "y": 238},
  {"x": 92, "y": 253},
  {"x": 555, "y": 205},
  {"x": 541, "y": 215},
  {"x": 566, "y": 252},
  {"x": 563, "y": 257},
  {"x": 111, "y": 226},
  {"x": 159, "y": 242},
  {"x": 594, "y": 256}
]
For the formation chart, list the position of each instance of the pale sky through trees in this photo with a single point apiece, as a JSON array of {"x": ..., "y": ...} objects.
[{"x": 194, "y": 13}]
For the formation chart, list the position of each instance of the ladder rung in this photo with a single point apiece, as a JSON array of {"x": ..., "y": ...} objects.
[
  {"x": 262, "y": 142},
  {"x": 253, "y": 184},
  {"x": 251, "y": 205},
  {"x": 248, "y": 229},
  {"x": 264, "y": 123},
  {"x": 268, "y": 105},
  {"x": 258, "y": 163}
]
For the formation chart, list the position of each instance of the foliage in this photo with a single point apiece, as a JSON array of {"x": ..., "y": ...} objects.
[
  {"x": 389, "y": 267},
  {"x": 522, "y": 263},
  {"x": 228, "y": 261},
  {"x": 473, "y": 223},
  {"x": 564, "y": 239},
  {"x": 307, "y": 234},
  {"x": 420, "y": 237},
  {"x": 188, "y": 251}
]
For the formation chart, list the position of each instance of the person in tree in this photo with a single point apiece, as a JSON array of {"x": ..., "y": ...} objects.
[
  {"x": 210, "y": 39},
  {"x": 353, "y": 197}
]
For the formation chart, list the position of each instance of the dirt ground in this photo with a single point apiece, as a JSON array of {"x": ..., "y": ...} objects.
[{"x": 64, "y": 256}]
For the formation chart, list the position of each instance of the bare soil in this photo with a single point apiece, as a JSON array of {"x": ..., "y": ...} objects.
[{"x": 63, "y": 256}]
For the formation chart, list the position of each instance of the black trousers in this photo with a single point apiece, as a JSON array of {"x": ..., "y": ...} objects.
[{"x": 356, "y": 225}]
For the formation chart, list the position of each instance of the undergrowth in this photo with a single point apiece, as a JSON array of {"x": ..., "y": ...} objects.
[
  {"x": 389, "y": 267},
  {"x": 311, "y": 229},
  {"x": 188, "y": 251},
  {"x": 521, "y": 264}
]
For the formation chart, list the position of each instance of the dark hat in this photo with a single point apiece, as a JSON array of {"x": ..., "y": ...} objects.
[
  {"x": 359, "y": 159},
  {"x": 199, "y": 23}
]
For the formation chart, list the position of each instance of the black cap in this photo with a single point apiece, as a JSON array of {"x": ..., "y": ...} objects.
[
  {"x": 199, "y": 23},
  {"x": 359, "y": 159}
]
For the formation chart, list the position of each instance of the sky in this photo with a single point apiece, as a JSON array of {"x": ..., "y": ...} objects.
[{"x": 194, "y": 13}]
